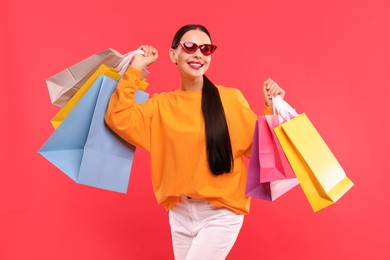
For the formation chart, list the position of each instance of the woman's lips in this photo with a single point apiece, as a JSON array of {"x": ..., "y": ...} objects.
[{"x": 195, "y": 65}]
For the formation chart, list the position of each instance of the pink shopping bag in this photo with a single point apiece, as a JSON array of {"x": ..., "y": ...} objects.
[{"x": 272, "y": 189}]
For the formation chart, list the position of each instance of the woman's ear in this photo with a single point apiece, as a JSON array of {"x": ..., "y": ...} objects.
[{"x": 172, "y": 55}]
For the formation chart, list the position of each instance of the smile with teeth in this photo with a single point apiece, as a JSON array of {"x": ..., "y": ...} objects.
[{"x": 195, "y": 65}]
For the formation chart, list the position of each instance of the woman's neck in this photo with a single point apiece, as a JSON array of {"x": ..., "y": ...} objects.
[{"x": 192, "y": 84}]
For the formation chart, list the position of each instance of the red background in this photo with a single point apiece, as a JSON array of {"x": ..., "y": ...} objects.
[{"x": 332, "y": 57}]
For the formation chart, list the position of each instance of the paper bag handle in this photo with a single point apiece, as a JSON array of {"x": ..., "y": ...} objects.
[
  {"x": 122, "y": 66},
  {"x": 283, "y": 109}
]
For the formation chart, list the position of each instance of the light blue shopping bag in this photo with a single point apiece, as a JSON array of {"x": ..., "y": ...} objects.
[{"x": 86, "y": 149}]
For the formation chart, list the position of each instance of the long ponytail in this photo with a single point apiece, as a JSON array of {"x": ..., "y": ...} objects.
[{"x": 218, "y": 146}]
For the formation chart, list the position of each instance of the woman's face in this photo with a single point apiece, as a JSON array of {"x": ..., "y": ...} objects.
[{"x": 193, "y": 65}]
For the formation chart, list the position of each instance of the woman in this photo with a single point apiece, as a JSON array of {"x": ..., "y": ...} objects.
[{"x": 197, "y": 137}]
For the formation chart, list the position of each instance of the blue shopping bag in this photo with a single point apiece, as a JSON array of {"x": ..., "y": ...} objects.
[{"x": 86, "y": 149}]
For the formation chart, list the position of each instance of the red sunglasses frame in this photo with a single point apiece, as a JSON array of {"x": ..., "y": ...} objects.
[{"x": 201, "y": 47}]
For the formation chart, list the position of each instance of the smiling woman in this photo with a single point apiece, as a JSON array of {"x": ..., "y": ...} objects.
[{"x": 197, "y": 137}]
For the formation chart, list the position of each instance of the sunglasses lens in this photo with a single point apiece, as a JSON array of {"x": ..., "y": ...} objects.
[
  {"x": 190, "y": 47},
  {"x": 208, "y": 49}
]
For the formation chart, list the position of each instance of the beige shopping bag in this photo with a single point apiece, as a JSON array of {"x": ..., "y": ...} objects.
[{"x": 66, "y": 83}]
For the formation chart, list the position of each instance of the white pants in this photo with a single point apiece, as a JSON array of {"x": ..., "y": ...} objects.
[{"x": 202, "y": 231}]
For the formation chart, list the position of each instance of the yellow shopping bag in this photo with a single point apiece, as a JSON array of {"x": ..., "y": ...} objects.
[
  {"x": 102, "y": 70},
  {"x": 320, "y": 175}
]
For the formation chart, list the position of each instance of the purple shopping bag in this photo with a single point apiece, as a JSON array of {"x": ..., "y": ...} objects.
[{"x": 272, "y": 189}]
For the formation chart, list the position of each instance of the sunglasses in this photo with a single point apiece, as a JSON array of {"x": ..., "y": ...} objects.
[{"x": 190, "y": 48}]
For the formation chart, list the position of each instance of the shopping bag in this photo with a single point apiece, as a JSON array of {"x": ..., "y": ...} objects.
[
  {"x": 65, "y": 84},
  {"x": 320, "y": 175},
  {"x": 85, "y": 148},
  {"x": 107, "y": 158},
  {"x": 111, "y": 72},
  {"x": 65, "y": 110},
  {"x": 273, "y": 162},
  {"x": 271, "y": 190}
]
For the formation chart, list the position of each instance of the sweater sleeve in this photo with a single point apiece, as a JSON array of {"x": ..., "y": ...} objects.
[
  {"x": 247, "y": 119},
  {"x": 130, "y": 120},
  {"x": 267, "y": 110}
]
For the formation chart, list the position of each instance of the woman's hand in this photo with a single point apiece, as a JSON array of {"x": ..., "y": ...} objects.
[
  {"x": 142, "y": 61},
  {"x": 271, "y": 89}
]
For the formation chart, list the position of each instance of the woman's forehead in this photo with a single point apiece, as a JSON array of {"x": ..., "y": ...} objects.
[{"x": 196, "y": 36}]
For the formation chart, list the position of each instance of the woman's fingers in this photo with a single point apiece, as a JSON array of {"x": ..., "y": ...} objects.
[
  {"x": 148, "y": 50},
  {"x": 271, "y": 89},
  {"x": 142, "y": 61}
]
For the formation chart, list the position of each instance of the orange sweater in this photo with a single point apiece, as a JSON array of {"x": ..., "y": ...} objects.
[{"x": 171, "y": 127}]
